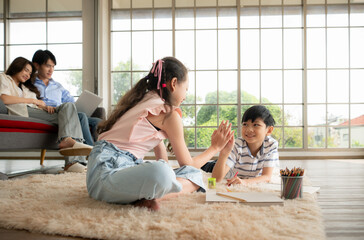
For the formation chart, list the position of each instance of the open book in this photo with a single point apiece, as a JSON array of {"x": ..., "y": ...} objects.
[{"x": 248, "y": 198}]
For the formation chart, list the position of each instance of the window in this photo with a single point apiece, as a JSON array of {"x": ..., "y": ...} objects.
[
  {"x": 301, "y": 60},
  {"x": 45, "y": 24}
]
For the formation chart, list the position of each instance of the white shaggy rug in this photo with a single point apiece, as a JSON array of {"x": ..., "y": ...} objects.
[{"x": 59, "y": 204}]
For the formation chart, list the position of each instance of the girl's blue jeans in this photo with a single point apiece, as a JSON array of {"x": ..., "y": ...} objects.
[{"x": 117, "y": 176}]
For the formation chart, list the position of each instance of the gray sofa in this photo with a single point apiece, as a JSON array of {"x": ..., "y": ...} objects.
[{"x": 25, "y": 133}]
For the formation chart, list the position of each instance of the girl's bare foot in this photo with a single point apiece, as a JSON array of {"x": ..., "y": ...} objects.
[
  {"x": 150, "y": 204},
  {"x": 66, "y": 143}
]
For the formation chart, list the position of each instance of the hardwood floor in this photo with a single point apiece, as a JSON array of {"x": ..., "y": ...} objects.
[{"x": 341, "y": 196}]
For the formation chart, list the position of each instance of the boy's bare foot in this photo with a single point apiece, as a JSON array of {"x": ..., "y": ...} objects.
[{"x": 150, "y": 204}]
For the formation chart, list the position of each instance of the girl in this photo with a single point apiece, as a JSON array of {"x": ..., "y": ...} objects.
[
  {"x": 20, "y": 97},
  {"x": 144, "y": 116}
]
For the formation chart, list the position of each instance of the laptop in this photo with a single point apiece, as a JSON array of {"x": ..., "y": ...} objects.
[{"x": 88, "y": 102}]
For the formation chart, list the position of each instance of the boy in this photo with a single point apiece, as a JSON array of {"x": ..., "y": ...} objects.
[{"x": 253, "y": 156}]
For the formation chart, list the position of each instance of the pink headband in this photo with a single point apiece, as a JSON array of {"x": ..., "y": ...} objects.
[{"x": 157, "y": 71}]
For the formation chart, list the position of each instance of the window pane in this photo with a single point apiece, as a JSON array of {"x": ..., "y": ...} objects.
[
  {"x": 292, "y": 16},
  {"x": 189, "y": 134},
  {"x": 249, "y": 45},
  {"x": 206, "y": 49},
  {"x": 250, "y": 87},
  {"x": 338, "y": 86},
  {"x": 316, "y": 115},
  {"x": 357, "y": 125},
  {"x": 26, "y": 51},
  {"x": 293, "y": 115},
  {"x": 356, "y": 15},
  {"x": 63, "y": 53},
  {"x": 337, "y": 114},
  {"x": 228, "y": 83},
  {"x": 142, "y": 20},
  {"x": 357, "y": 86},
  {"x": 276, "y": 111},
  {"x": 249, "y": 17},
  {"x": 227, "y": 18},
  {"x": 337, "y": 48},
  {"x": 206, "y": 87},
  {"x": 316, "y": 137},
  {"x": 271, "y": 17},
  {"x": 121, "y": 51},
  {"x": 271, "y": 45},
  {"x": 185, "y": 48},
  {"x": 2, "y": 59},
  {"x": 136, "y": 76},
  {"x": 163, "y": 19},
  {"x": 206, "y": 18},
  {"x": 188, "y": 115},
  {"x": 34, "y": 28},
  {"x": 316, "y": 48},
  {"x": 228, "y": 113},
  {"x": 293, "y": 86},
  {"x": 357, "y": 136},
  {"x": 184, "y": 19},
  {"x": 70, "y": 80},
  {"x": 120, "y": 20},
  {"x": 64, "y": 31},
  {"x": 271, "y": 87},
  {"x": 293, "y": 138},
  {"x": 278, "y": 135},
  {"x": 142, "y": 50},
  {"x": 162, "y": 44},
  {"x": 65, "y": 8},
  {"x": 117, "y": 4},
  {"x": 316, "y": 86},
  {"x": 356, "y": 47},
  {"x": 292, "y": 48},
  {"x": 121, "y": 83},
  {"x": 204, "y": 137},
  {"x": 190, "y": 95},
  {"x": 338, "y": 137},
  {"x": 315, "y": 16},
  {"x": 337, "y": 16},
  {"x": 27, "y": 8},
  {"x": 1, "y": 32},
  {"x": 227, "y": 49},
  {"x": 207, "y": 115},
  {"x": 162, "y": 3}
]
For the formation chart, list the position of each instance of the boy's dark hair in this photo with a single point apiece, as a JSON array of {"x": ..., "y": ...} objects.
[
  {"x": 259, "y": 111},
  {"x": 42, "y": 56}
]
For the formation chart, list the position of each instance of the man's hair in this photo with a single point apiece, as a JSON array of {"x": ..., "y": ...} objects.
[
  {"x": 42, "y": 56},
  {"x": 259, "y": 111}
]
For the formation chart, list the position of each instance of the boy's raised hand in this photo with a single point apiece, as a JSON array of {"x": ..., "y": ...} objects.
[{"x": 221, "y": 136}]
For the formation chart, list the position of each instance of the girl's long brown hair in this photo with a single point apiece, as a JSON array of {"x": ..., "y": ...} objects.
[
  {"x": 172, "y": 67},
  {"x": 17, "y": 66}
]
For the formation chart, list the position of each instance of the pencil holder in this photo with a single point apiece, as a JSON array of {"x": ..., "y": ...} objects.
[{"x": 291, "y": 187}]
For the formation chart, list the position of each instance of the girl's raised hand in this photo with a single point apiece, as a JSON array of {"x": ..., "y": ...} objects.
[{"x": 221, "y": 136}]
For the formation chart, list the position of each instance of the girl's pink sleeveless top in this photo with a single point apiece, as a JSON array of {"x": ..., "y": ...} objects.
[{"x": 133, "y": 132}]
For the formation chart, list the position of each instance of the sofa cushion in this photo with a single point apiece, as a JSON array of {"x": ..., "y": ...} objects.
[
  {"x": 10, "y": 123},
  {"x": 3, "y": 109}
]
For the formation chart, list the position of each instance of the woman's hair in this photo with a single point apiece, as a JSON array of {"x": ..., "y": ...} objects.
[
  {"x": 17, "y": 66},
  {"x": 160, "y": 74}
]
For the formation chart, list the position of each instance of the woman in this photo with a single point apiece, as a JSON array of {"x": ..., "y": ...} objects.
[{"x": 20, "y": 97}]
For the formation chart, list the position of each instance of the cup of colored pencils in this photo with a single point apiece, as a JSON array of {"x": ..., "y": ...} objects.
[{"x": 291, "y": 186}]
